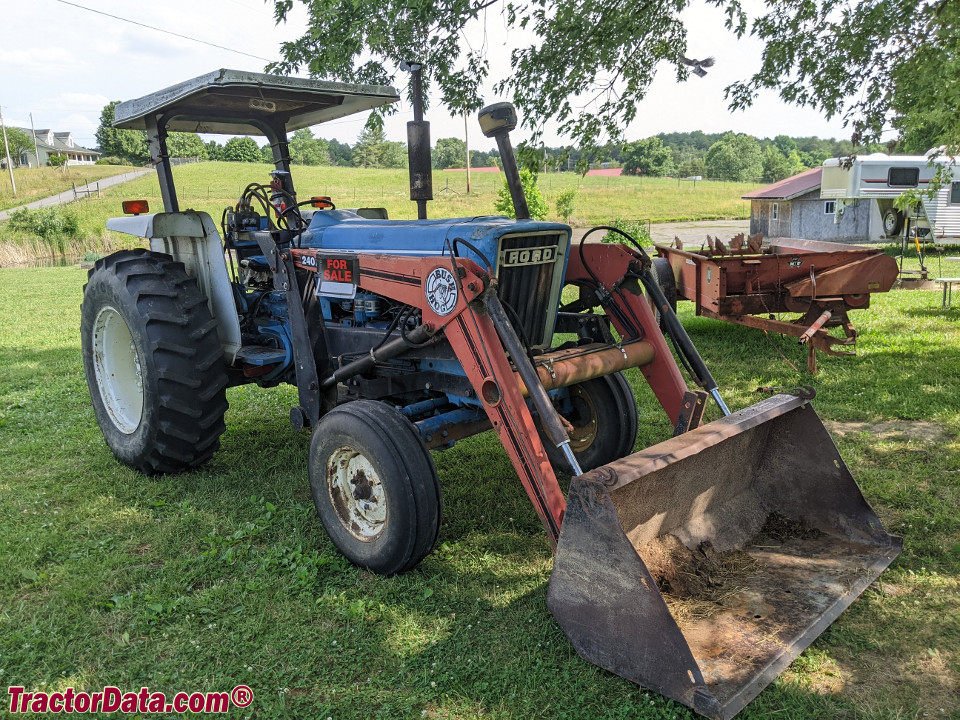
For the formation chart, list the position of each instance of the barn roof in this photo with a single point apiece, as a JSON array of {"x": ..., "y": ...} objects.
[{"x": 789, "y": 188}]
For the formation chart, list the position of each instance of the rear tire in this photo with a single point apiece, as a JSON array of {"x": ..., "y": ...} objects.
[
  {"x": 604, "y": 418},
  {"x": 668, "y": 286},
  {"x": 153, "y": 362},
  {"x": 892, "y": 222},
  {"x": 375, "y": 486}
]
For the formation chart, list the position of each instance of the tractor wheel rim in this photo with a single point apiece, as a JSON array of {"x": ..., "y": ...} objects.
[
  {"x": 117, "y": 366},
  {"x": 584, "y": 420},
  {"x": 356, "y": 493}
]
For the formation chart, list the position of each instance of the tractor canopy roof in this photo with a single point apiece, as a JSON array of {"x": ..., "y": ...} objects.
[{"x": 237, "y": 102}]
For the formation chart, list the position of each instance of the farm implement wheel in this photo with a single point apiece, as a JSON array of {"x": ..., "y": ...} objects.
[
  {"x": 374, "y": 486},
  {"x": 668, "y": 285},
  {"x": 602, "y": 414},
  {"x": 153, "y": 362}
]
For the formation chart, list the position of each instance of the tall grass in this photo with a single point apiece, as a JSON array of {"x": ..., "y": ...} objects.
[
  {"x": 215, "y": 185},
  {"x": 36, "y": 183}
]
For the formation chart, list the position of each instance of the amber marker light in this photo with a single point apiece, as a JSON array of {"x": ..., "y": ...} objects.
[{"x": 135, "y": 207}]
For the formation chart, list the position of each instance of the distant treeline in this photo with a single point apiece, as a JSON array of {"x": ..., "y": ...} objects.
[{"x": 720, "y": 156}]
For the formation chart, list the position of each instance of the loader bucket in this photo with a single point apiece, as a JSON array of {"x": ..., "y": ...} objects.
[{"x": 702, "y": 566}]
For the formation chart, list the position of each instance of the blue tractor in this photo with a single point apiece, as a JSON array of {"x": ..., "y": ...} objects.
[{"x": 403, "y": 337}]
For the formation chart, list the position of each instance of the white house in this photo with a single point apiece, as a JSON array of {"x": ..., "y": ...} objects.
[{"x": 56, "y": 143}]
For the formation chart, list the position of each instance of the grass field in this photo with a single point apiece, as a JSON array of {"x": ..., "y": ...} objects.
[
  {"x": 213, "y": 186},
  {"x": 224, "y": 576},
  {"x": 36, "y": 183}
]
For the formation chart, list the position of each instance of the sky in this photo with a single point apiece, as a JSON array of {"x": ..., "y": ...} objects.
[{"x": 63, "y": 64}]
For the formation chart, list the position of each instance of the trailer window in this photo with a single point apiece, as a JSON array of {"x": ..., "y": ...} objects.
[
  {"x": 829, "y": 207},
  {"x": 903, "y": 177},
  {"x": 955, "y": 193},
  {"x": 774, "y": 211}
]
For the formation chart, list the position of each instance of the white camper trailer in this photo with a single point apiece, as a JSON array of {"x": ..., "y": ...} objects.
[{"x": 883, "y": 178}]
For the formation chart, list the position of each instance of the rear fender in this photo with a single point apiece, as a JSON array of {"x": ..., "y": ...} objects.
[{"x": 191, "y": 238}]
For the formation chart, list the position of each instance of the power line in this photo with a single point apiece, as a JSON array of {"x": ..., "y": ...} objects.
[{"x": 168, "y": 32}]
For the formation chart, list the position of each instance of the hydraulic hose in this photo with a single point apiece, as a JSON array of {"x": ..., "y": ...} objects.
[{"x": 684, "y": 343}]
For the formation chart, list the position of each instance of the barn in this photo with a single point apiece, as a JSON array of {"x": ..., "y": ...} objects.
[{"x": 793, "y": 208}]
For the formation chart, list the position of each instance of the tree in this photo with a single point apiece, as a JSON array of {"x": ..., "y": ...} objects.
[
  {"x": 19, "y": 143},
  {"x": 647, "y": 157},
  {"x": 58, "y": 161},
  {"x": 242, "y": 149},
  {"x": 186, "y": 145},
  {"x": 589, "y": 63},
  {"x": 785, "y": 144},
  {"x": 736, "y": 156},
  {"x": 214, "y": 150},
  {"x": 375, "y": 151},
  {"x": 775, "y": 165},
  {"x": 531, "y": 191},
  {"x": 131, "y": 145},
  {"x": 395, "y": 155},
  {"x": 565, "y": 201},
  {"x": 871, "y": 62},
  {"x": 449, "y": 153},
  {"x": 306, "y": 149},
  {"x": 340, "y": 153},
  {"x": 692, "y": 168}
]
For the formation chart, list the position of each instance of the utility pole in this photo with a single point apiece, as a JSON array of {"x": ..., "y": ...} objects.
[
  {"x": 466, "y": 137},
  {"x": 6, "y": 148},
  {"x": 36, "y": 150}
]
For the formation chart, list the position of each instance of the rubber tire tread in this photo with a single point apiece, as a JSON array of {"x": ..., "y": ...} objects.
[
  {"x": 668, "y": 285},
  {"x": 617, "y": 424},
  {"x": 406, "y": 471},
  {"x": 182, "y": 362},
  {"x": 899, "y": 224}
]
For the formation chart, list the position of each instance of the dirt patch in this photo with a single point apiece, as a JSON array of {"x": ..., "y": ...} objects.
[
  {"x": 890, "y": 429},
  {"x": 778, "y": 528},
  {"x": 696, "y": 583}
]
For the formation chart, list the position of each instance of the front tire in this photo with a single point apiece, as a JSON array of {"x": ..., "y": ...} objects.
[
  {"x": 603, "y": 413},
  {"x": 374, "y": 486},
  {"x": 153, "y": 362}
]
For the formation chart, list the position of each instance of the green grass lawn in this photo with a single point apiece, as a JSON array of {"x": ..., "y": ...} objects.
[
  {"x": 224, "y": 576},
  {"x": 214, "y": 185},
  {"x": 36, "y": 183}
]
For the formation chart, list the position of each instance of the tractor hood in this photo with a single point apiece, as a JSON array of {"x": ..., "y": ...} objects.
[{"x": 345, "y": 230}]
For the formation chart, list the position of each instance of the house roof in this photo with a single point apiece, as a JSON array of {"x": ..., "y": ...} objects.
[
  {"x": 789, "y": 188},
  {"x": 58, "y": 144}
]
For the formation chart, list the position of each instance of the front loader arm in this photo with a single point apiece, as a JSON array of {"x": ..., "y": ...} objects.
[
  {"x": 608, "y": 264},
  {"x": 473, "y": 337}
]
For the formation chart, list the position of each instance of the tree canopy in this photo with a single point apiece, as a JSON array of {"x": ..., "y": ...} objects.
[
  {"x": 736, "y": 156},
  {"x": 591, "y": 61},
  {"x": 242, "y": 149},
  {"x": 449, "y": 153},
  {"x": 131, "y": 145},
  {"x": 305, "y": 149},
  {"x": 647, "y": 157},
  {"x": 373, "y": 150},
  {"x": 18, "y": 142}
]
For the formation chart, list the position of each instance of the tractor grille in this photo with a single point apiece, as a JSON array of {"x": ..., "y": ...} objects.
[{"x": 529, "y": 271}]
